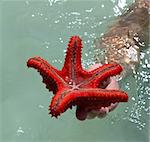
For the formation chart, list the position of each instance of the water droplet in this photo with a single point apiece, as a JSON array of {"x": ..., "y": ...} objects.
[
  {"x": 85, "y": 33},
  {"x": 57, "y": 21},
  {"x": 133, "y": 99},
  {"x": 100, "y": 22},
  {"x": 41, "y": 106},
  {"x": 89, "y": 10},
  {"x": 27, "y": 2},
  {"x": 104, "y": 17},
  {"x": 33, "y": 15},
  {"x": 148, "y": 65},
  {"x": 86, "y": 54},
  {"x": 102, "y": 6},
  {"x": 70, "y": 83},
  {"x": 20, "y": 131},
  {"x": 75, "y": 13},
  {"x": 101, "y": 34}
]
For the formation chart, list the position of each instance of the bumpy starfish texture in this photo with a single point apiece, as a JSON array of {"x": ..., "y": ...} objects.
[{"x": 72, "y": 85}]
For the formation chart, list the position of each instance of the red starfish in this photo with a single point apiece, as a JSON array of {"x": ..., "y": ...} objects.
[{"x": 75, "y": 86}]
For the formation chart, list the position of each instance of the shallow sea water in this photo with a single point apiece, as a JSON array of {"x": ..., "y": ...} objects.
[{"x": 43, "y": 28}]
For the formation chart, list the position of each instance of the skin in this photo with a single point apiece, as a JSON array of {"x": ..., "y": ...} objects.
[{"x": 100, "y": 113}]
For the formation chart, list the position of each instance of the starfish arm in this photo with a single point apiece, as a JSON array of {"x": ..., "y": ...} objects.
[
  {"x": 55, "y": 106},
  {"x": 51, "y": 76},
  {"x": 72, "y": 63},
  {"x": 89, "y": 98},
  {"x": 92, "y": 98},
  {"x": 102, "y": 94},
  {"x": 101, "y": 73}
]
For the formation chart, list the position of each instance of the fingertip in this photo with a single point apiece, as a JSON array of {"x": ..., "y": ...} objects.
[
  {"x": 91, "y": 115},
  {"x": 113, "y": 84},
  {"x": 81, "y": 114}
]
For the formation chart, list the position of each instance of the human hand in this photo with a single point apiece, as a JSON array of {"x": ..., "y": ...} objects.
[{"x": 110, "y": 83}]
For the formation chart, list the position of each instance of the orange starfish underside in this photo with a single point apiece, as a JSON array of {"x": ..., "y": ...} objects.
[{"x": 73, "y": 85}]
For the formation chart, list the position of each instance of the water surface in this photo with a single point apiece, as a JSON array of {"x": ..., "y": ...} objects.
[{"x": 43, "y": 28}]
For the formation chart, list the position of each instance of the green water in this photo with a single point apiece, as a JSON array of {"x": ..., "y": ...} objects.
[{"x": 43, "y": 28}]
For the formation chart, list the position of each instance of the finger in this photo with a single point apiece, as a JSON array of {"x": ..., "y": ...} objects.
[
  {"x": 110, "y": 83},
  {"x": 91, "y": 115},
  {"x": 101, "y": 113},
  {"x": 81, "y": 113},
  {"x": 113, "y": 106},
  {"x": 113, "y": 84}
]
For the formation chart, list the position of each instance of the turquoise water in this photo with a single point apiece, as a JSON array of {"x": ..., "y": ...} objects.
[{"x": 43, "y": 28}]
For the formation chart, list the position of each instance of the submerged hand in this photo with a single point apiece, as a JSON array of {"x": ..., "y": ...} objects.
[{"x": 100, "y": 113}]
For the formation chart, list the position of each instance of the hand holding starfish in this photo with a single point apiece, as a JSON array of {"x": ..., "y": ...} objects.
[
  {"x": 74, "y": 86},
  {"x": 83, "y": 114}
]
